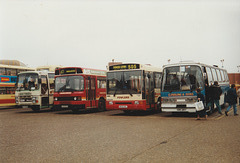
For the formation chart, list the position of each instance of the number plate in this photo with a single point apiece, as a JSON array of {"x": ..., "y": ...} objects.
[
  {"x": 64, "y": 106},
  {"x": 123, "y": 106}
]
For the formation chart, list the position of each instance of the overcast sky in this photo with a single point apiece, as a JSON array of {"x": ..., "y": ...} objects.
[{"x": 90, "y": 33}]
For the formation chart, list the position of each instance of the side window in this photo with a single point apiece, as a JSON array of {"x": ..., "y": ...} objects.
[
  {"x": 214, "y": 74},
  {"x": 157, "y": 81},
  {"x": 3, "y": 90},
  {"x": 209, "y": 75},
  {"x": 101, "y": 82},
  {"x": 219, "y": 75},
  {"x": 223, "y": 76},
  {"x": 44, "y": 86},
  {"x": 2, "y": 71},
  {"x": 8, "y": 71},
  {"x": 93, "y": 83},
  {"x": 226, "y": 76},
  {"x": 51, "y": 81}
]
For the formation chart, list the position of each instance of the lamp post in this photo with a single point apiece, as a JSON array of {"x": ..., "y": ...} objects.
[
  {"x": 169, "y": 61},
  {"x": 222, "y": 60},
  {"x": 238, "y": 67}
]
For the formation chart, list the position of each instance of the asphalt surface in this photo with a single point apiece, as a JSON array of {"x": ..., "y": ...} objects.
[{"x": 112, "y": 136}]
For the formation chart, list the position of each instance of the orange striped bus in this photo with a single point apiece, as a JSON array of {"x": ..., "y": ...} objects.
[{"x": 8, "y": 78}]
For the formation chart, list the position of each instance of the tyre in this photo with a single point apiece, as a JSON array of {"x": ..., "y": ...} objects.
[
  {"x": 101, "y": 105},
  {"x": 35, "y": 108}
]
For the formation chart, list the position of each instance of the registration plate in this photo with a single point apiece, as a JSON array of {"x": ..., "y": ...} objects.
[
  {"x": 64, "y": 106},
  {"x": 123, "y": 106}
]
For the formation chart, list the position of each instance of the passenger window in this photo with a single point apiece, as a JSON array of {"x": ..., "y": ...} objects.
[
  {"x": 44, "y": 87},
  {"x": 214, "y": 74},
  {"x": 223, "y": 76},
  {"x": 226, "y": 76},
  {"x": 209, "y": 75},
  {"x": 157, "y": 80},
  {"x": 101, "y": 83},
  {"x": 219, "y": 75}
]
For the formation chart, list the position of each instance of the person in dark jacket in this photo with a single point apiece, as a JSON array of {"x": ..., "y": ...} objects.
[
  {"x": 215, "y": 92},
  {"x": 232, "y": 99}
]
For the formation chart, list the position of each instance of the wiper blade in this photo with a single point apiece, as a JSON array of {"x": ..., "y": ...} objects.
[
  {"x": 62, "y": 88},
  {"x": 130, "y": 92}
]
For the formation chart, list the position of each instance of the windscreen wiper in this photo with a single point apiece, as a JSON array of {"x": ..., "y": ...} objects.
[
  {"x": 62, "y": 88},
  {"x": 130, "y": 92}
]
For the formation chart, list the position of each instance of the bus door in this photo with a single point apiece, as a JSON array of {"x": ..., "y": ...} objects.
[
  {"x": 91, "y": 91},
  {"x": 44, "y": 91},
  {"x": 149, "y": 89}
]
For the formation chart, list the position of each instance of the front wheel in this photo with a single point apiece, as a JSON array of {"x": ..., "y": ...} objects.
[
  {"x": 35, "y": 108},
  {"x": 101, "y": 105}
]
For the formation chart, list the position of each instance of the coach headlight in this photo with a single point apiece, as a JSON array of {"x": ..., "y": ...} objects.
[
  {"x": 55, "y": 99},
  {"x": 110, "y": 103},
  {"x": 34, "y": 99},
  {"x": 136, "y": 102},
  {"x": 79, "y": 98}
]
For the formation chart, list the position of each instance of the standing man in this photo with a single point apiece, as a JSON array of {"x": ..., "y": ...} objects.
[
  {"x": 232, "y": 99},
  {"x": 215, "y": 92}
]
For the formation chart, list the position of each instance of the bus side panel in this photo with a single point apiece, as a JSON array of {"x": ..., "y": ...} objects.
[{"x": 7, "y": 100}]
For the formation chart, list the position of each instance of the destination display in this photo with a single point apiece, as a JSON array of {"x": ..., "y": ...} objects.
[
  {"x": 70, "y": 71},
  {"x": 124, "y": 67}
]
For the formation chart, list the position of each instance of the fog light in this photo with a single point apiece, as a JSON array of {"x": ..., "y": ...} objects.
[
  {"x": 110, "y": 103},
  {"x": 136, "y": 102}
]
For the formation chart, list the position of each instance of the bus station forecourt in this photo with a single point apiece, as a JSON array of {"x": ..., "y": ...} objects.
[{"x": 148, "y": 113}]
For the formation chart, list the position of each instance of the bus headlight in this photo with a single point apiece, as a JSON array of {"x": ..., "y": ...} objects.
[
  {"x": 34, "y": 99},
  {"x": 55, "y": 99},
  {"x": 110, "y": 103},
  {"x": 79, "y": 98},
  {"x": 136, "y": 102}
]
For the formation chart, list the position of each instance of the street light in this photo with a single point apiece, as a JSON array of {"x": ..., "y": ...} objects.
[
  {"x": 222, "y": 60},
  {"x": 169, "y": 61},
  {"x": 238, "y": 67}
]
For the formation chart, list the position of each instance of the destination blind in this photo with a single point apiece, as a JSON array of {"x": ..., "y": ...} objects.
[{"x": 124, "y": 67}]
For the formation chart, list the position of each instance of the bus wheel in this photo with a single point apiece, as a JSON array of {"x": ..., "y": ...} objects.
[
  {"x": 75, "y": 110},
  {"x": 101, "y": 105},
  {"x": 35, "y": 108},
  {"x": 127, "y": 111}
]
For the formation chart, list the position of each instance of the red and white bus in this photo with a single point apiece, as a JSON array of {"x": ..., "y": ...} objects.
[
  {"x": 132, "y": 87},
  {"x": 79, "y": 88}
]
